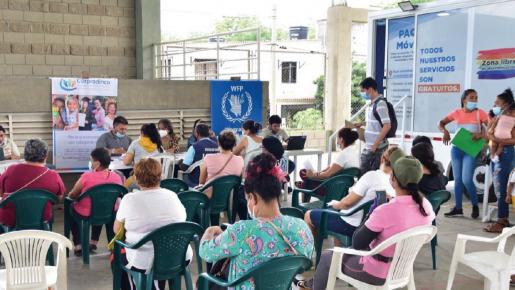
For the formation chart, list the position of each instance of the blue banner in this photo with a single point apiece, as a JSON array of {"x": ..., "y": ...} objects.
[{"x": 234, "y": 102}]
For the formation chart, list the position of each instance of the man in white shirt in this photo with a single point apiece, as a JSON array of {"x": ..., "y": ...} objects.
[{"x": 274, "y": 129}]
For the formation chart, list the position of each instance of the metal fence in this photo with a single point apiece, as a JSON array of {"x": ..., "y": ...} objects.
[{"x": 210, "y": 57}]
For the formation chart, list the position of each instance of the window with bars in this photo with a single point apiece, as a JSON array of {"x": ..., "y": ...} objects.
[
  {"x": 205, "y": 69},
  {"x": 289, "y": 72}
]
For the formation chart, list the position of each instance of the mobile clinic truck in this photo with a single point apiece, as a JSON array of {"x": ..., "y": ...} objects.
[{"x": 425, "y": 58}]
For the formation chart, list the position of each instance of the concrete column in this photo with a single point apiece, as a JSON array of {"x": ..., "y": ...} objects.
[
  {"x": 148, "y": 32},
  {"x": 339, "y": 64}
]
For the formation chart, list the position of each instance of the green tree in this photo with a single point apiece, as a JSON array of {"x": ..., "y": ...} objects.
[
  {"x": 307, "y": 119},
  {"x": 229, "y": 24},
  {"x": 319, "y": 94},
  {"x": 358, "y": 74}
]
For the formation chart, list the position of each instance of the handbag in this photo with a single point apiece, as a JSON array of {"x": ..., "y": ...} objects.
[{"x": 120, "y": 236}]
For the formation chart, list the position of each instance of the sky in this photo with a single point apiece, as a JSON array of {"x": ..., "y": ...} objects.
[{"x": 198, "y": 16}]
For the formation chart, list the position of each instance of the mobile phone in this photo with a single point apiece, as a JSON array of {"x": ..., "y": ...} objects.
[{"x": 380, "y": 197}]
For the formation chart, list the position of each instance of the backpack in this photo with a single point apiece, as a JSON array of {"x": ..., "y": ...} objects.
[{"x": 391, "y": 115}]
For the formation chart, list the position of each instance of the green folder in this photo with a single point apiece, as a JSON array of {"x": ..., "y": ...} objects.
[{"x": 463, "y": 140}]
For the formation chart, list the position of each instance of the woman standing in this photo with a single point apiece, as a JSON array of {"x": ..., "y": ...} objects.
[
  {"x": 250, "y": 144},
  {"x": 504, "y": 109},
  {"x": 472, "y": 119}
]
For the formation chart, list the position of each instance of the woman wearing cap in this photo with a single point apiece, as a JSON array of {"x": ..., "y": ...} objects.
[
  {"x": 364, "y": 190},
  {"x": 472, "y": 119},
  {"x": 407, "y": 210}
]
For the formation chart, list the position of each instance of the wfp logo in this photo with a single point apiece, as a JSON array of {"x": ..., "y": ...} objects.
[
  {"x": 237, "y": 104},
  {"x": 68, "y": 84}
]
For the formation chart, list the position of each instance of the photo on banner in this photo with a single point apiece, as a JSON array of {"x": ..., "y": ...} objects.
[{"x": 82, "y": 110}]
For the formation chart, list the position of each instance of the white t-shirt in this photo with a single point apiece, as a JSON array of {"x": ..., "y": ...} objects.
[
  {"x": 512, "y": 180},
  {"x": 366, "y": 187},
  {"x": 139, "y": 152},
  {"x": 143, "y": 212},
  {"x": 348, "y": 157}
]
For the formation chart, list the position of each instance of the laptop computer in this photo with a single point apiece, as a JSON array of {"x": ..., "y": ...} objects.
[{"x": 296, "y": 143}]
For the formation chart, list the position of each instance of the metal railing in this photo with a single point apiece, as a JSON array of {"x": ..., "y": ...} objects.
[
  {"x": 332, "y": 137},
  {"x": 209, "y": 57}
]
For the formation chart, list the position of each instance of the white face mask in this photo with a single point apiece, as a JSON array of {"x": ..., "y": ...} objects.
[
  {"x": 252, "y": 214},
  {"x": 163, "y": 133}
]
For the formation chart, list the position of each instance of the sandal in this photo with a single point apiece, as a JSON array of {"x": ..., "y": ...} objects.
[
  {"x": 497, "y": 227},
  {"x": 303, "y": 284}
]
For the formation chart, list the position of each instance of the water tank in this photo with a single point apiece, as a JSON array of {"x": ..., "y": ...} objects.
[{"x": 298, "y": 32}]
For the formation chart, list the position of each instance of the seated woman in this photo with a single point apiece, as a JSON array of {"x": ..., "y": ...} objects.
[
  {"x": 249, "y": 243},
  {"x": 144, "y": 211},
  {"x": 223, "y": 163},
  {"x": 433, "y": 178},
  {"x": 407, "y": 210},
  {"x": 148, "y": 144},
  {"x": 347, "y": 158},
  {"x": 31, "y": 174},
  {"x": 274, "y": 146},
  {"x": 100, "y": 174},
  {"x": 250, "y": 143},
  {"x": 364, "y": 190},
  {"x": 169, "y": 140}
]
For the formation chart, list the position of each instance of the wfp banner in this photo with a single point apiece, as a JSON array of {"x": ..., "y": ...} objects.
[
  {"x": 234, "y": 102},
  {"x": 82, "y": 110}
]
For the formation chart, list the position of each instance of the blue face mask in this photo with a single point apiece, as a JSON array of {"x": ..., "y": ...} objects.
[
  {"x": 496, "y": 110},
  {"x": 365, "y": 96},
  {"x": 471, "y": 105},
  {"x": 119, "y": 135}
]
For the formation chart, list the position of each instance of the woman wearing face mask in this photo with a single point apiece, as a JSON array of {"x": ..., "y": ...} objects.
[
  {"x": 251, "y": 144},
  {"x": 148, "y": 144},
  {"x": 407, "y": 210},
  {"x": 502, "y": 139},
  {"x": 168, "y": 138},
  {"x": 472, "y": 119},
  {"x": 249, "y": 243},
  {"x": 99, "y": 174}
]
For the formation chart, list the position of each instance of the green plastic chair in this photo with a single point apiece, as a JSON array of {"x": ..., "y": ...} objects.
[
  {"x": 293, "y": 212},
  {"x": 196, "y": 204},
  {"x": 335, "y": 188},
  {"x": 275, "y": 274},
  {"x": 220, "y": 199},
  {"x": 103, "y": 198},
  {"x": 324, "y": 232},
  {"x": 30, "y": 205},
  {"x": 170, "y": 245},
  {"x": 352, "y": 171},
  {"x": 174, "y": 184},
  {"x": 436, "y": 199}
]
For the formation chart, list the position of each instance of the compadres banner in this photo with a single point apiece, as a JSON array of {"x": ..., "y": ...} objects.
[{"x": 82, "y": 110}]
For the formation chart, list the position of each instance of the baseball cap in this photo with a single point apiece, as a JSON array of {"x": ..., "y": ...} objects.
[{"x": 407, "y": 170}]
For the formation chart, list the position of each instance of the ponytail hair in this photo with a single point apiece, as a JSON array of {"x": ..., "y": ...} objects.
[
  {"x": 424, "y": 153},
  {"x": 252, "y": 126},
  {"x": 150, "y": 130},
  {"x": 415, "y": 194},
  {"x": 263, "y": 177}
]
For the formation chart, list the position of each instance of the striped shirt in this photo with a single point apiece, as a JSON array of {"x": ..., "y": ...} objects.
[{"x": 373, "y": 128}]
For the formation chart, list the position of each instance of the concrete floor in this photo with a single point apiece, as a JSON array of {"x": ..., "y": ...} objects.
[{"x": 98, "y": 274}]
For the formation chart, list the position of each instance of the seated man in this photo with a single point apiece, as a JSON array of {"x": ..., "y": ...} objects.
[
  {"x": 8, "y": 146},
  {"x": 116, "y": 141},
  {"x": 196, "y": 152},
  {"x": 274, "y": 129}
]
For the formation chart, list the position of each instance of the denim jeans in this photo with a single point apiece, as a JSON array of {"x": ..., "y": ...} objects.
[
  {"x": 463, "y": 166},
  {"x": 501, "y": 172}
]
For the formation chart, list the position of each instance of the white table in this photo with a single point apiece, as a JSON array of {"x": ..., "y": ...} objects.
[
  {"x": 171, "y": 159},
  {"x": 6, "y": 163},
  {"x": 305, "y": 152}
]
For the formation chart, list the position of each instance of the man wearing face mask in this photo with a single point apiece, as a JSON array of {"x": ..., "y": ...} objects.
[
  {"x": 116, "y": 141},
  {"x": 375, "y": 130}
]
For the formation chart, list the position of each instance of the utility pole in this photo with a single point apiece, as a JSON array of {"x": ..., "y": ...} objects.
[{"x": 272, "y": 96}]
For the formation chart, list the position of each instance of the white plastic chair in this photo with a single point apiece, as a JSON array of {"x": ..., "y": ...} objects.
[
  {"x": 180, "y": 173},
  {"x": 407, "y": 245},
  {"x": 25, "y": 255},
  {"x": 495, "y": 266}
]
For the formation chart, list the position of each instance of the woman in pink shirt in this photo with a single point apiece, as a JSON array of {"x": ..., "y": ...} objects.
[
  {"x": 100, "y": 174},
  {"x": 407, "y": 210},
  {"x": 223, "y": 163}
]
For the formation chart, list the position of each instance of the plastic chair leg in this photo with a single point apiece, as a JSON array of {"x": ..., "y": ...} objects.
[
  {"x": 109, "y": 231},
  {"x": 452, "y": 273},
  {"x": 433, "y": 252},
  {"x": 318, "y": 247},
  {"x": 85, "y": 228},
  {"x": 50, "y": 256},
  {"x": 187, "y": 280}
]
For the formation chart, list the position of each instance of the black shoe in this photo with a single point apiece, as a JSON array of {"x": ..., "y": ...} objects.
[
  {"x": 454, "y": 212},
  {"x": 92, "y": 247},
  {"x": 78, "y": 253},
  {"x": 475, "y": 212}
]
